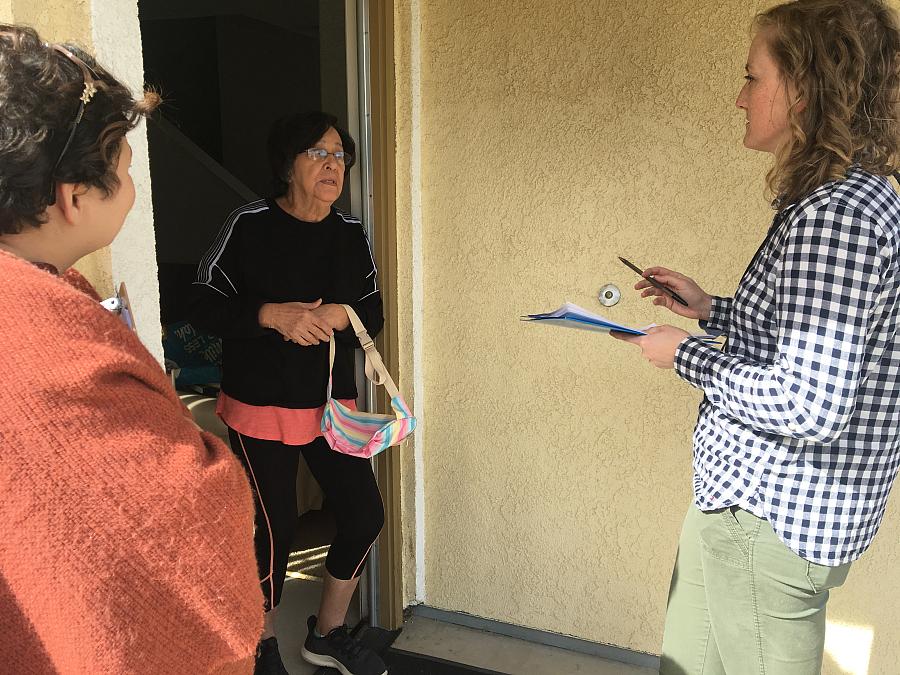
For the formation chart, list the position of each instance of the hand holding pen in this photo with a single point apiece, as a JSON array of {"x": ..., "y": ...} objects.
[{"x": 696, "y": 302}]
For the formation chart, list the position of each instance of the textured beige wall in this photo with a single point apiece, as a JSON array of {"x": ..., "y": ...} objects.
[
  {"x": 555, "y": 136},
  {"x": 57, "y": 20}
]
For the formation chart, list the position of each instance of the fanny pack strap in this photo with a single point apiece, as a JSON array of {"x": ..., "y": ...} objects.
[{"x": 375, "y": 368}]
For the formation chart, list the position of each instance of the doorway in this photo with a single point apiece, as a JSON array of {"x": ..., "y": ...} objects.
[{"x": 226, "y": 70}]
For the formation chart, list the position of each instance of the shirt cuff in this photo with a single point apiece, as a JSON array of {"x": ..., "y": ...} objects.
[
  {"x": 691, "y": 358},
  {"x": 719, "y": 316}
]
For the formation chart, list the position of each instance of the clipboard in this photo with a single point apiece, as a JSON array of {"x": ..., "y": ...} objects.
[{"x": 570, "y": 315}]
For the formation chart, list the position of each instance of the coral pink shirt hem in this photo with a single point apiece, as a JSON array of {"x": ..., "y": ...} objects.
[{"x": 291, "y": 426}]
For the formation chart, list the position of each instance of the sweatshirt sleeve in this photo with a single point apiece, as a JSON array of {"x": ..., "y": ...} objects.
[
  {"x": 360, "y": 285},
  {"x": 220, "y": 303}
]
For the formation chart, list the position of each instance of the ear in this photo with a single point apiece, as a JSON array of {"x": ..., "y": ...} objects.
[
  {"x": 68, "y": 202},
  {"x": 796, "y": 99}
]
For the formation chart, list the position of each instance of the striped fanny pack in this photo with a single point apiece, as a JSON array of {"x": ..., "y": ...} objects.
[{"x": 363, "y": 434}]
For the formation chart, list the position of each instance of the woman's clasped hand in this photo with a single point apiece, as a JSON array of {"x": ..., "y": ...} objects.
[{"x": 305, "y": 323}]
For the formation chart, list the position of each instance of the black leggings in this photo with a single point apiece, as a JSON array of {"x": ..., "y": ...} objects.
[{"x": 350, "y": 492}]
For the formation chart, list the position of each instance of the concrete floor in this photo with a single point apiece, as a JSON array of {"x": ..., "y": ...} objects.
[
  {"x": 443, "y": 640},
  {"x": 420, "y": 635},
  {"x": 501, "y": 653}
]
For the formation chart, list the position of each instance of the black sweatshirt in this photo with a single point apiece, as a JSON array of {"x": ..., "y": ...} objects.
[{"x": 263, "y": 254}]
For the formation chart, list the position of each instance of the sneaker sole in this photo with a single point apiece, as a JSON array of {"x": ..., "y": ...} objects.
[{"x": 328, "y": 661}]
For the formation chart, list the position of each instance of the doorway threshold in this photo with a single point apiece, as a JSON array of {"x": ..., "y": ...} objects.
[{"x": 507, "y": 648}]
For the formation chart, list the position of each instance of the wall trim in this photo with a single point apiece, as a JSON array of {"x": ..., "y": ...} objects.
[
  {"x": 378, "y": 17},
  {"x": 116, "y": 35},
  {"x": 541, "y": 637},
  {"x": 418, "y": 295}
]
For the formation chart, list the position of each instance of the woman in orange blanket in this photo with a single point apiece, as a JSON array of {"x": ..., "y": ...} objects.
[{"x": 127, "y": 534}]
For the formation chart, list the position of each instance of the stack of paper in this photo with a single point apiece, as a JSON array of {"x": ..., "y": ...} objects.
[
  {"x": 578, "y": 317},
  {"x": 573, "y": 316}
]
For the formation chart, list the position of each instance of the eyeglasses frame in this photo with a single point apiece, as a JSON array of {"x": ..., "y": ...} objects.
[{"x": 346, "y": 162}]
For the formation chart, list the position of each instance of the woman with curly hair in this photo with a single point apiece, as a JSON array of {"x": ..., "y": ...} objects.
[
  {"x": 797, "y": 443},
  {"x": 127, "y": 533}
]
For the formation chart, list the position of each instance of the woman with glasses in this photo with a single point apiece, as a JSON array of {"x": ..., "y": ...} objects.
[
  {"x": 272, "y": 285},
  {"x": 797, "y": 443},
  {"x": 124, "y": 545}
]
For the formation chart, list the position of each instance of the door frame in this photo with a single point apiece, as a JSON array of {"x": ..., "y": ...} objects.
[{"x": 375, "y": 40}]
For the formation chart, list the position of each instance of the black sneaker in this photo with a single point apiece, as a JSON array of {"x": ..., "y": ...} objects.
[
  {"x": 339, "y": 650},
  {"x": 268, "y": 659}
]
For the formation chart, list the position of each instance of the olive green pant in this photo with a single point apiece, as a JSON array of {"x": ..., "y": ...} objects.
[{"x": 741, "y": 602}]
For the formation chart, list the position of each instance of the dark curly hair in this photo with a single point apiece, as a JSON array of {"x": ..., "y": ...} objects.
[
  {"x": 843, "y": 59},
  {"x": 40, "y": 94},
  {"x": 291, "y": 135}
]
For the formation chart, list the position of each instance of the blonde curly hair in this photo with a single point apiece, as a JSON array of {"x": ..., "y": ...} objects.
[{"x": 841, "y": 58}]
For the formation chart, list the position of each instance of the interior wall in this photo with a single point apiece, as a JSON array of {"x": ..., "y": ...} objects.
[
  {"x": 231, "y": 67},
  {"x": 554, "y": 137},
  {"x": 333, "y": 59},
  {"x": 191, "y": 201},
  {"x": 181, "y": 60},
  {"x": 260, "y": 85}
]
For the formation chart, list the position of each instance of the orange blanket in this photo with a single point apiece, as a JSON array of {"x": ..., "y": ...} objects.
[{"x": 126, "y": 535}]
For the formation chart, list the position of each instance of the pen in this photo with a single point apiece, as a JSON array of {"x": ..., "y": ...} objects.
[{"x": 655, "y": 283}]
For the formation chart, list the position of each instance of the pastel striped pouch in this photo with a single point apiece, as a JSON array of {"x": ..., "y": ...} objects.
[{"x": 364, "y": 434}]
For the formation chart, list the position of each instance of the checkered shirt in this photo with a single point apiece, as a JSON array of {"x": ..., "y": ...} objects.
[{"x": 800, "y": 422}]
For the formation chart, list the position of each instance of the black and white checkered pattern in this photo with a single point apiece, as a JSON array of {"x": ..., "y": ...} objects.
[{"x": 800, "y": 423}]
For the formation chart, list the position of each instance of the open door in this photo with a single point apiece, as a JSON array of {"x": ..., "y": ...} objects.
[{"x": 227, "y": 69}]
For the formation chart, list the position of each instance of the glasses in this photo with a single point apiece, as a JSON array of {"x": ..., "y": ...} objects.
[
  {"x": 92, "y": 83},
  {"x": 318, "y": 154}
]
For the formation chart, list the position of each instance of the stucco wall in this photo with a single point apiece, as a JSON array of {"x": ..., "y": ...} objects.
[
  {"x": 58, "y": 20},
  {"x": 552, "y": 138}
]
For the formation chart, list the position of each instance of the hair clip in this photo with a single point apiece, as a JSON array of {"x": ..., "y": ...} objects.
[{"x": 89, "y": 90}]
